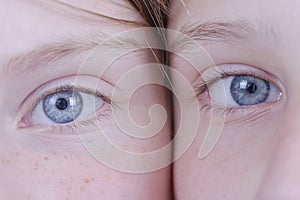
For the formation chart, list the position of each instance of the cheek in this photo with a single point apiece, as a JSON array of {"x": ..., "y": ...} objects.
[
  {"x": 63, "y": 175},
  {"x": 54, "y": 168},
  {"x": 235, "y": 166},
  {"x": 55, "y": 175}
]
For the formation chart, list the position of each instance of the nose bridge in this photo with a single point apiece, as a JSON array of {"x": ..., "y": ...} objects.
[{"x": 282, "y": 175}]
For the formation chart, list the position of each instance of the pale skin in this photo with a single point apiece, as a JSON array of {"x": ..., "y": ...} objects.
[
  {"x": 257, "y": 155},
  {"x": 42, "y": 163}
]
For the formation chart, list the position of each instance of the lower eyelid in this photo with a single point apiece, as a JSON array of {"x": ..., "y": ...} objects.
[
  {"x": 90, "y": 124},
  {"x": 239, "y": 115}
]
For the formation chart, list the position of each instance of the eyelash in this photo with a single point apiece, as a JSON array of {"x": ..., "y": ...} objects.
[{"x": 68, "y": 127}]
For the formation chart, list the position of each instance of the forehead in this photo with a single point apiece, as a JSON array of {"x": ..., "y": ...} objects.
[
  {"x": 189, "y": 11},
  {"x": 277, "y": 20},
  {"x": 26, "y": 24},
  {"x": 274, "y": 30}
]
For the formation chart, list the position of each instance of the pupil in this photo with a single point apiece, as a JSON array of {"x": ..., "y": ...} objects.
[
  {"x": 61, "y": 104},
  {"x": 251, "y": 88}
]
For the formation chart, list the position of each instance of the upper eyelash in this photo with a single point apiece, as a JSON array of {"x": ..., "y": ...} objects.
[
  {"x": 219, "y": 73},
  {"x": 200, "y": 88},
  {"x": 75, "y": 88}
]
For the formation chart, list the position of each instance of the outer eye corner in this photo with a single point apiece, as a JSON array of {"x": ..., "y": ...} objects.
[{"x": 23, "y": 122}]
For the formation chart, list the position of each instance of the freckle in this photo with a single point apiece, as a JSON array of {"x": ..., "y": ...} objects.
[
  {"x": 62, "y": 183},
  {"x": 86, "y": 180},
  {"x": 5, "y": 161},
  {"x": 36, "y": 165},
  {"x": 81, "y": 188},
  {"x": 17, "y": 154},
  {"x": 46, "y": 158}
]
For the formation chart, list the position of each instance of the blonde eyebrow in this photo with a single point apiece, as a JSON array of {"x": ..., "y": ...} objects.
[
  {"x": 51, "y": 52},
  {"x": 228, "y": 32}
]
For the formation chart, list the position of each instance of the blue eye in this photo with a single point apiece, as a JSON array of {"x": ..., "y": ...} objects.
[
  {"x": 249, "y": 90},
  {"x": 63, "y": 107},
  {"x": 243, "y": 90}
]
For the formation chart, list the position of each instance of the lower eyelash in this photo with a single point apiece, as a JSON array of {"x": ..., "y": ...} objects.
[
  {"x": 210, "y": 108},
  {"x": 77, "y": 125},
  {"x": 249, "y": 118}
]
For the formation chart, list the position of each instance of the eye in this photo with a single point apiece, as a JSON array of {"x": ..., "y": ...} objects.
[
  {"x": 243, "y": 90},
  {"x": 64, "y": 106}
]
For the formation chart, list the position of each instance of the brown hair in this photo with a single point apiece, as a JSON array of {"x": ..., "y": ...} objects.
[{"x": 153, "y": 11}]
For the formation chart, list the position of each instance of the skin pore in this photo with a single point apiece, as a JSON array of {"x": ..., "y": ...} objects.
[
  {"x": 256, "y": 156},
  {"x": 43, "y": 47}
]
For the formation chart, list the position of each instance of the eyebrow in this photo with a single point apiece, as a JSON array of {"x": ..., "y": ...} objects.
[
  {"x": 227, "y": 32},
  {"x": 51, "y": 52}
]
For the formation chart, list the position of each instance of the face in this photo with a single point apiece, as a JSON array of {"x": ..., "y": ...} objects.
[
  {"x": 56, "y": 105},
  {"x": 246, "y": 79}
]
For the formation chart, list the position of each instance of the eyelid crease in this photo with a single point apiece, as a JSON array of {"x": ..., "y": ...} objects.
[{"x": 77, "y": 89}]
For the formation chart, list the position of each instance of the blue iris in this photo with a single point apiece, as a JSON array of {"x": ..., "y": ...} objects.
[
  {"x": 63, "y": 106},
  {"x": 249, "y": 90}
]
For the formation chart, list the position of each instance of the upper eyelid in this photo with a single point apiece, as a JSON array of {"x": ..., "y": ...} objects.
[{"x": 75, "y": 88}]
